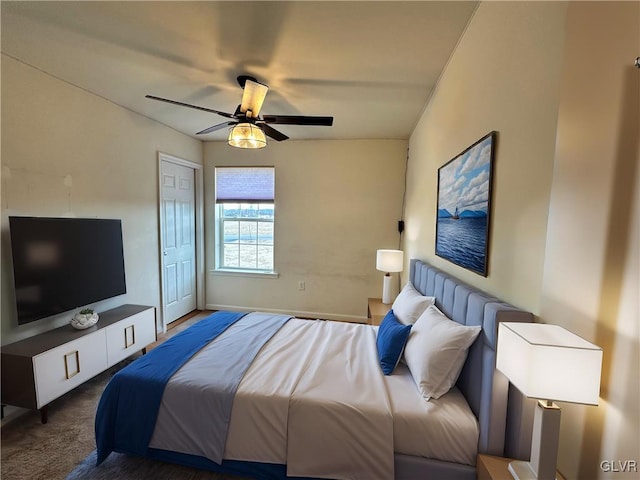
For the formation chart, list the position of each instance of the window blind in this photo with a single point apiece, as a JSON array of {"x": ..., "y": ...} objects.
[{"x": 245, "y": 184}]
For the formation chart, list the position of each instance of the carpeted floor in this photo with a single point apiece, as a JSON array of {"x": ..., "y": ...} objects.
[
  {"x": 118, "y": 466},
  {"x": 33, "y": 451}
]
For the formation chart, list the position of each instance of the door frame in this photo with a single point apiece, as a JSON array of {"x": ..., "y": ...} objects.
[{"x": 198, "y": 234}]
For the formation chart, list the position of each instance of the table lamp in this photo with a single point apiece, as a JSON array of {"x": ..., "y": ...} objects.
[
  {"x": 388, "y": 261},
  {"x": 548, "y": 363}
]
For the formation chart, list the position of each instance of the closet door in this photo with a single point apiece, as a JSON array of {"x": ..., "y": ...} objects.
[{"x": 178, "y": 240}]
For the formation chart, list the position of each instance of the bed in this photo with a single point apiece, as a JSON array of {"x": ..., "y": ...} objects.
[{"x": 272, "y": 397}]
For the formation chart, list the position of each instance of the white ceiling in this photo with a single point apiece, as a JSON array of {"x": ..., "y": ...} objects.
[{"x": 371, "y": 65}]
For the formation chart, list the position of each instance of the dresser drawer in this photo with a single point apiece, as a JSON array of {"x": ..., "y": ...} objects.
[
  {"x": 65, "y": 367},
  {"x": 130, "y": 335}
]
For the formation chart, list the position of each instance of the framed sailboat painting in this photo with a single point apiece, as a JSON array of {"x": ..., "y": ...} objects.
[{"x": 464, "y": 206}]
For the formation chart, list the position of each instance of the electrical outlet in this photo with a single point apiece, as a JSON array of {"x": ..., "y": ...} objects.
[{"x": 301, "y": 285}]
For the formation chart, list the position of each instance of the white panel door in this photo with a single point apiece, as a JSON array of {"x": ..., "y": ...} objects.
[{"x": 178, "y": 240}]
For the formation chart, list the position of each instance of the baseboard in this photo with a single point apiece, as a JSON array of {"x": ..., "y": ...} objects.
[{"x": 297, "y": 313}]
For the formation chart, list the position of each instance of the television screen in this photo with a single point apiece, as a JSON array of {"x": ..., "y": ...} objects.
[{"x": 63, "y": 263}]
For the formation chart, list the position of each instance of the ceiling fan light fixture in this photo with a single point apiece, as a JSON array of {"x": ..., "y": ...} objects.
[{"x": 247, "y": 135}]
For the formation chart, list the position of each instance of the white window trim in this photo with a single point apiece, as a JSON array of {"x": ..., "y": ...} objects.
[{"x": 243, "y": 273}]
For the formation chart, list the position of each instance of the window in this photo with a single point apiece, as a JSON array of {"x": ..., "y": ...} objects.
[{"x": 245, "y": 213}]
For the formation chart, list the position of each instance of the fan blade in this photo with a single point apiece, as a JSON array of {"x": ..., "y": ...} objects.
[
  {"x": 298, "y": 120},
  {"x": 215, "y": 127},
  {"x": 224, "y": 114},
  {"x": 273, "y": 133},
  {"x": 253, "y": 97}
]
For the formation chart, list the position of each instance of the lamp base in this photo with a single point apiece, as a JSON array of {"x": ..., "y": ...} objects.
[
  {"x": 521, "y": 470},
  {"x": 544, "y": 445},
  {"x": 386, "y": 289}
]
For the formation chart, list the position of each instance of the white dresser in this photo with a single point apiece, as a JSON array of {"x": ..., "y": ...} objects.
[{"x": 39, "y": 369}]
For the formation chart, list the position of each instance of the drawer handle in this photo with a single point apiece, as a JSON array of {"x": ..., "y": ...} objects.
[
  {"x": 127, "y": 336},
  {"x": 68, "y": 373}
]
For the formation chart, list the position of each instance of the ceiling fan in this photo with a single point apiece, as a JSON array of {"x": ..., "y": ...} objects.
[{"x": 249, "y": 128}]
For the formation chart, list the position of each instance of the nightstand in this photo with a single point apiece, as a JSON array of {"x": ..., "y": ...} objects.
[
  {"x": 376, "y": 311},
  {"x": 496, "y": 468}
]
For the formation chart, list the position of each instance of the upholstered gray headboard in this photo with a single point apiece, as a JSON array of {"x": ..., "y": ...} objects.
[{"x": 502, "y": 412}]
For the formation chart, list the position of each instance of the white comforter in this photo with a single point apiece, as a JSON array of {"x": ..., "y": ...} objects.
[
  {"x": 315, "y": 399},
  {"x": 323, "y": 407}
]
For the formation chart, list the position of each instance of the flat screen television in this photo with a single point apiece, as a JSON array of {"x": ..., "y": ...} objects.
[{"x": 63, "y": 263}]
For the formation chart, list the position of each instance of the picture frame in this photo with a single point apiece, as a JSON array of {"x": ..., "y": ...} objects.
[{"x": 464, "y": 206}]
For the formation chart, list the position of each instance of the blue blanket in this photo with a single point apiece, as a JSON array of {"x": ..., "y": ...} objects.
[{"x": 124, "y": 412}]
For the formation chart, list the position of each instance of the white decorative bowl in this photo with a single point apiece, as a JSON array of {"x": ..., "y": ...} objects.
[{"x": 81, "y": 321}]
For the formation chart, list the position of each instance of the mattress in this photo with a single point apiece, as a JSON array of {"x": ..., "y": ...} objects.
[{"x": 303, "y": 388}]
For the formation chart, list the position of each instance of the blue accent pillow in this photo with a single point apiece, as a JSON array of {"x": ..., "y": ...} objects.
[{"x": 392, "y": 337}]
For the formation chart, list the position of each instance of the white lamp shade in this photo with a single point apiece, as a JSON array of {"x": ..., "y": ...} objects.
[
  {"x": 548, "y": 362},
  {"x": 389, "y": 260}
]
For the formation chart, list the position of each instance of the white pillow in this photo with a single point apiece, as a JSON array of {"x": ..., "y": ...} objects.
[
  {"x": 410, "y": 304},
  {"x": 436, "y": 351}
]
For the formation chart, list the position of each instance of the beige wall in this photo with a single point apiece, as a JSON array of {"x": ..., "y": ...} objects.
[
  {"x": 336, "y": 203},
  {"x": 503, "y": 76},
  {"x": 537, "y": 73},
  {"x": 55, "y": 135},
  {"x": 591, "y": 265}
]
